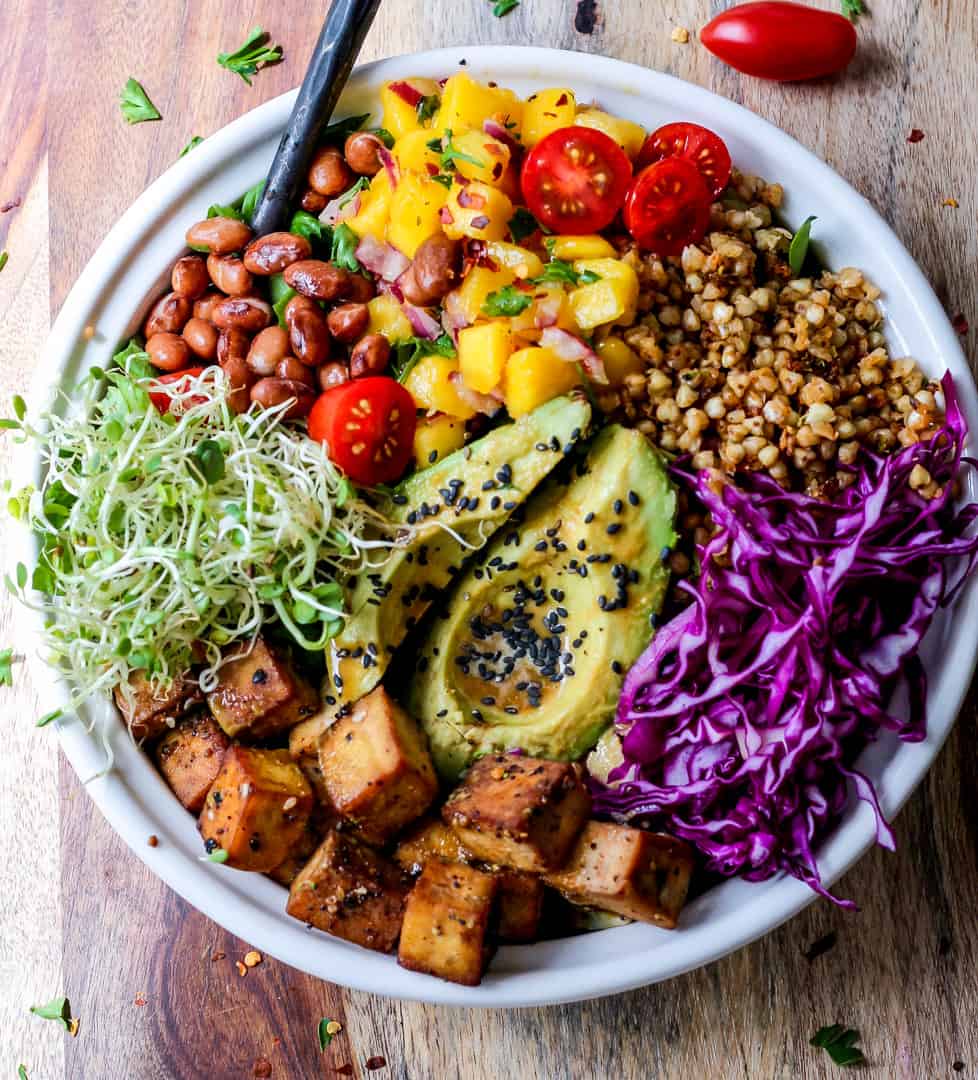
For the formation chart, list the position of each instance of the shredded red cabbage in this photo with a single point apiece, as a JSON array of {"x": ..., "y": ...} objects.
[{"x": 743, "y": 718}]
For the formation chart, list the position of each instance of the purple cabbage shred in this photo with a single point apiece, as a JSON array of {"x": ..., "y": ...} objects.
[{"x": 741, "y": 722}]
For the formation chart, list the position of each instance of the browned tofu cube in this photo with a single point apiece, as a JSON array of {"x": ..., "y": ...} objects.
[
  {"x": 519, "y": 812},
  {"x": 634, "y": 873},
  {"x": 286, "y": 872},
  {"x": 446, "y": 923},
  {"x": 150, "y": 711},
  {"x": 190, "y": 756},
  {"x": 376, "y": 767},
  {"x": 430, "y": 838},
  {"x": 257, "y": 809},
  {"x": 349, "y": 890},
  {"x": 519, "y": 905},
  {"x": 259, "y": 695},
  {"x": 304, "y": 737}
]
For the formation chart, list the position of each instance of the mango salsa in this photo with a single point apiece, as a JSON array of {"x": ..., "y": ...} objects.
[
  {"x": 629, "y": 136},
  {"x": 400, "y": 116},
  {"x": 619, "y": 360},
  {"x": 388, "y": 318},
  {"x": 534, "y": 376},
  {"x": 545, "y": 112},
  {"x": 414, "y": 209},
  {"x": 476, "y": 210},
  {"x": 413, "y": 154},
  {"x": 436, "y": 437},
  {"x": 570, "y": 248},
  {"x": 466, "y": 104},
  {"x": 523, "y": 262},
  {"x": 612, "y": 298},
  {"x": 478, "y": 284},
  {"x": 482, "y": 354},
  {"x": 430, "y": 386},
  {"x": 375, "y": 205}
]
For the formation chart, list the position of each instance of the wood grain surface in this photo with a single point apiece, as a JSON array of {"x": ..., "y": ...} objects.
[{"x": 153, "y": 981}]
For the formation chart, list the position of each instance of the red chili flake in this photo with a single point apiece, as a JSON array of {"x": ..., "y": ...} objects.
[
  {"x": 345, "y": 1070},
  {"x": 262, "y": 1069},
  {"x": 480, "y": 222},
  {"x": 915, "y": 136},
  {"x": 562, "y": 100},
  {"x": 139, "y": 1000},
  {"x": 432, "y": 168},
  {"x": 376, "y": 1063},
  {"x": 8, "y": 206},
  {"x": 960, "y": 323},
  {"x": 153, "y": 840}
]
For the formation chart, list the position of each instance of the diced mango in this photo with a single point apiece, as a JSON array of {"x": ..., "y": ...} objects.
[
  {"x": 387, "y": 317},
  {"x": 550, "y": 302},
  {"x": 400, "y": 116},
  {"x": 612, "y": 298},
  {"x": 482, "y": 354},
  {"x": 570, "y": 248},
  {"x": 533, "y": 376},
  {"x": 430, "y": 385},
  {"x": 523, "y": 263},
  {"x": 477, "y": 210},
  {"x": 415, "y": 206},
  {"x": 466, "y": 104},
  {"x": 479, "y": 282},
  {"x": 436, "y": 437},
  {"x": 619, "y": 360},
  {"x": 629, "y": 135},
  {"x": 546, "y": 111},
  {"x": 375, "y": 204},
  {"x": 413, "y": 154},
  {"x": 485, "y": 158}
]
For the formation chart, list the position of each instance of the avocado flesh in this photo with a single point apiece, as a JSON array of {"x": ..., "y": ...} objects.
[
  {"x": 472, "y": 492},
  {"x": 523, "y": 630}
]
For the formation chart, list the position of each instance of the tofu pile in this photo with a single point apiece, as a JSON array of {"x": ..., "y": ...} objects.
[{"x": 352, "y": 827}]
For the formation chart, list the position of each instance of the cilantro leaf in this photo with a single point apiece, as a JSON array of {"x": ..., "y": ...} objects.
[
  {"x": 244, "y": 61},
  {"x": 522, "y": 224},
  {"x": 445, "y": 179},
  {"x": 450, "y": 154},
  {"x": 384, "y": 135},
  {"x": 57, "y": 1009},
  {"x": 840, "y": 1044},
  {"x": 507, "y": 301},
  {"x": 799, "y": 246},
  {"x": 427, "y": 107},
  {"x": 135, "y": 104},
  {"x": 560, "y": 271},
  {"x": 279, "y": 291},
  {"x": 504, "y": 7},
  {"x": 22, "y": 1072},
  {"x": 351, "y": 192},
  {"x": 6, "y": 674},
  {"x": 193, "y": 144},
  {"x": 408, "y": 353},
  {"x": 341, "y": 130},
  {"x": 249, "y": 202},
  {"x": 345, "y": 243},
  {"x": 852, "y": 9},
  {"x": 307, "y": 225}
]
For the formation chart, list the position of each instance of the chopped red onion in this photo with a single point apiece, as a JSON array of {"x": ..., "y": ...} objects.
[
  {"x": 574, "y": 351},
  {"x": 422, "y": 323},
  {"x": 384, "y": 260},
  {"x": 481, "y": 403}
]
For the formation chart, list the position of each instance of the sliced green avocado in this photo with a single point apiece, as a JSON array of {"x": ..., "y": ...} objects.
[
  {"x": 536, "y": 636},
  {"x": 452, "y": 509}
]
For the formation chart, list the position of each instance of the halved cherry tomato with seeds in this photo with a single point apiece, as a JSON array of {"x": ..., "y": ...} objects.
[
  {"x": 668, "y": 207},
  {"x": 162, "y": 400},
  {"x": 368, "y": 427},
  {"x": 704, "y": 148},
  {"x": 575, "y": 180}
]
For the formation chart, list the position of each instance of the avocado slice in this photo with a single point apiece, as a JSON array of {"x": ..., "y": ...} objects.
[
  {"x": 451, "y": 509},
  {"x": 536, "y": 637}
]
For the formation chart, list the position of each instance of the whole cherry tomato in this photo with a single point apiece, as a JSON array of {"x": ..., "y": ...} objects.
[
  {"x": 368, "y": 427},
  {"x": 774, "y": 39},
  {"x": 162, "y": 401},
  {"x": 704, "y": 148},
  {"x": 575, "y": 180},
  {"x": 668, "y": 207}
]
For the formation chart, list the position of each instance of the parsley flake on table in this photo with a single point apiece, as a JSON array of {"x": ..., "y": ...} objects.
[
  {"x": 194, "y": 142},
  {"x": 840, "y": 1044},
  {"x": 504, "y": 7},
  {"x": 852, "y": 9},
  {"x": 3, "y": 259},
  {"x": 6, "y": 672},
  {"x": 22, "y": 1072},
  {"x": 59, "y": 1010},
  {"x": 244, "y": 61},
  {"x": 135, "y": 104}
]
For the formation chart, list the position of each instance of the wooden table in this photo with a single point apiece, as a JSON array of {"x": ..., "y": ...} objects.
[{"x": 154, "y": 982}]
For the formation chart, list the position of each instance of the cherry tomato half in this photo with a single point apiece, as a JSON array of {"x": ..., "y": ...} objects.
[
  {"x": 773, "y": 39},
  {"x": 668, "y": 207},
  {"x": 704, "y": 148},
  {"x": 162, "y": 401},
  {"x": 368, "y": 427},
  {"x": 575, "y": 180}
]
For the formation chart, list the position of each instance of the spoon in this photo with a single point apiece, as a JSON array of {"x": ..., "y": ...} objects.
[{"x": 332, "y": 61}]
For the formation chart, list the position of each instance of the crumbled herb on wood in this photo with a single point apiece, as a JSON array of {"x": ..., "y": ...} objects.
[
  {"x": 135, "y": 104},
  {"x": 840, "y": 1044},
  {"x": 244, "y": 61}
]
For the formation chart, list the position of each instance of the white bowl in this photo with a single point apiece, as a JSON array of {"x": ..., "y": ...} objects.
[{"x": 130, "y": 266}]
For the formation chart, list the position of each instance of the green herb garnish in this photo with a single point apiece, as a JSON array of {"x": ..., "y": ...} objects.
[
  {"x": 48, "y": 718},
  {"x": 522, "y": 224},
  {"x": 450, "y": 154},
  {"x": 504, "y": 7},
  {"x": 445, "y": 179},
  {"x": 352, "y": 192},
  {"x": 325, "y": 1038},
  {"x": 58, "y": 1010},
  {"x": 799, "y": 246},
  {"x": 280, "y": 292},
  {"x": 6, "y": 667},
  {"x": 341, "y": 130},
  {"x": 344, "y": 247},
  {"x": 135, "y": 104},
  {"x": 427, "y": 107},
  {"x": 557, "y": 270},
  {"x": 408, "y": 353},
  {"x": 218, "y": 855},
  {"x": 22, "y": 1072},
  {"x": 249, "y": 202},
  {"x": 3, "y": 259},
  {"x": 194, "y": 142},
  {"x": 384, "y": 135},
  {"x": 231, "y": 210},
  {"x": 840, "y": 1044},
  {"x": 256, "y": 50},
  {"x": 852, "y": 9},
  {"x": 307, "y": 225},
  {"x": 507, "y": 301}
]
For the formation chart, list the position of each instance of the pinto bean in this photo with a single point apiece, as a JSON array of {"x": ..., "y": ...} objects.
[
  {"x": 308, "y": 332},
  {"x": 332, "y": 374},
  {"x": 290, "y": 368},
  {"x": 369, "y": 356},
  {"x": 246, "y": 313},
  {"x": 272, "y": 253},
  {"x": 317, "y": 279},
  {"x": 201, "y": 338},
  {"x": 240, "y": 380},
  {"x": 434, "y": 271},
  {"x": 329, "y": 174},
  {"x": 274, "y": 391},
  {"x": 348, "y": 322},
  {"x": 204, "y": 307},
  {"x": 168, "y": 316},
  {"x": 232, "y": 345},
  {"x": 312, "y": 202},
  {"x": 362, "y": 153},
  {"x": 168, "y": 352},
  {"x": 360, "y": 290},
  {"x": 229, "y": 274},
  {"x": 267, "y": 350},
  {"x": 218, "y": 235},
  {"x": 189, "y": 277}
]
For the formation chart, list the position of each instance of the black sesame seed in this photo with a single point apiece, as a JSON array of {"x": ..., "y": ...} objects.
[
  {"x": 633, "y": 498},
  {"x": 399, "y": 500},
  {"x": 540, "y": 546},
  {"x": 509, "y": 506},
  {"x": 617, "y": 506},
  {"x": 488, "y": 485},
  {"x": 432, "y": 457},
  {"x": 589, "y": 517},
  {"x": 495, "y": 502},
  {"x": 616, "y": 667}
]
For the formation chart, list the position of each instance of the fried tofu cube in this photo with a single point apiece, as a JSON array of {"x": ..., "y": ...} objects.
[
  {"x": 259, "y": 695},
  {"x": 523, "y": 813},
  {"x": 376, "y": 767},
  {"x": 150, "y": 711},
  {"x": 189, "y": 758},
  {"x": 519, "y": 905},
  {"x": 351, "y": 891},
  {"x": 446, "y": 922},
  {"x": 638, "y": 874},
  {"x": 257, "y": 808},
  {"x": 429, "y": 839},
  {"x": 286, "y": 872}
]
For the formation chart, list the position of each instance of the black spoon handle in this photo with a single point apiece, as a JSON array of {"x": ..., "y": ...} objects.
[{"x": 332, "y": 61}]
